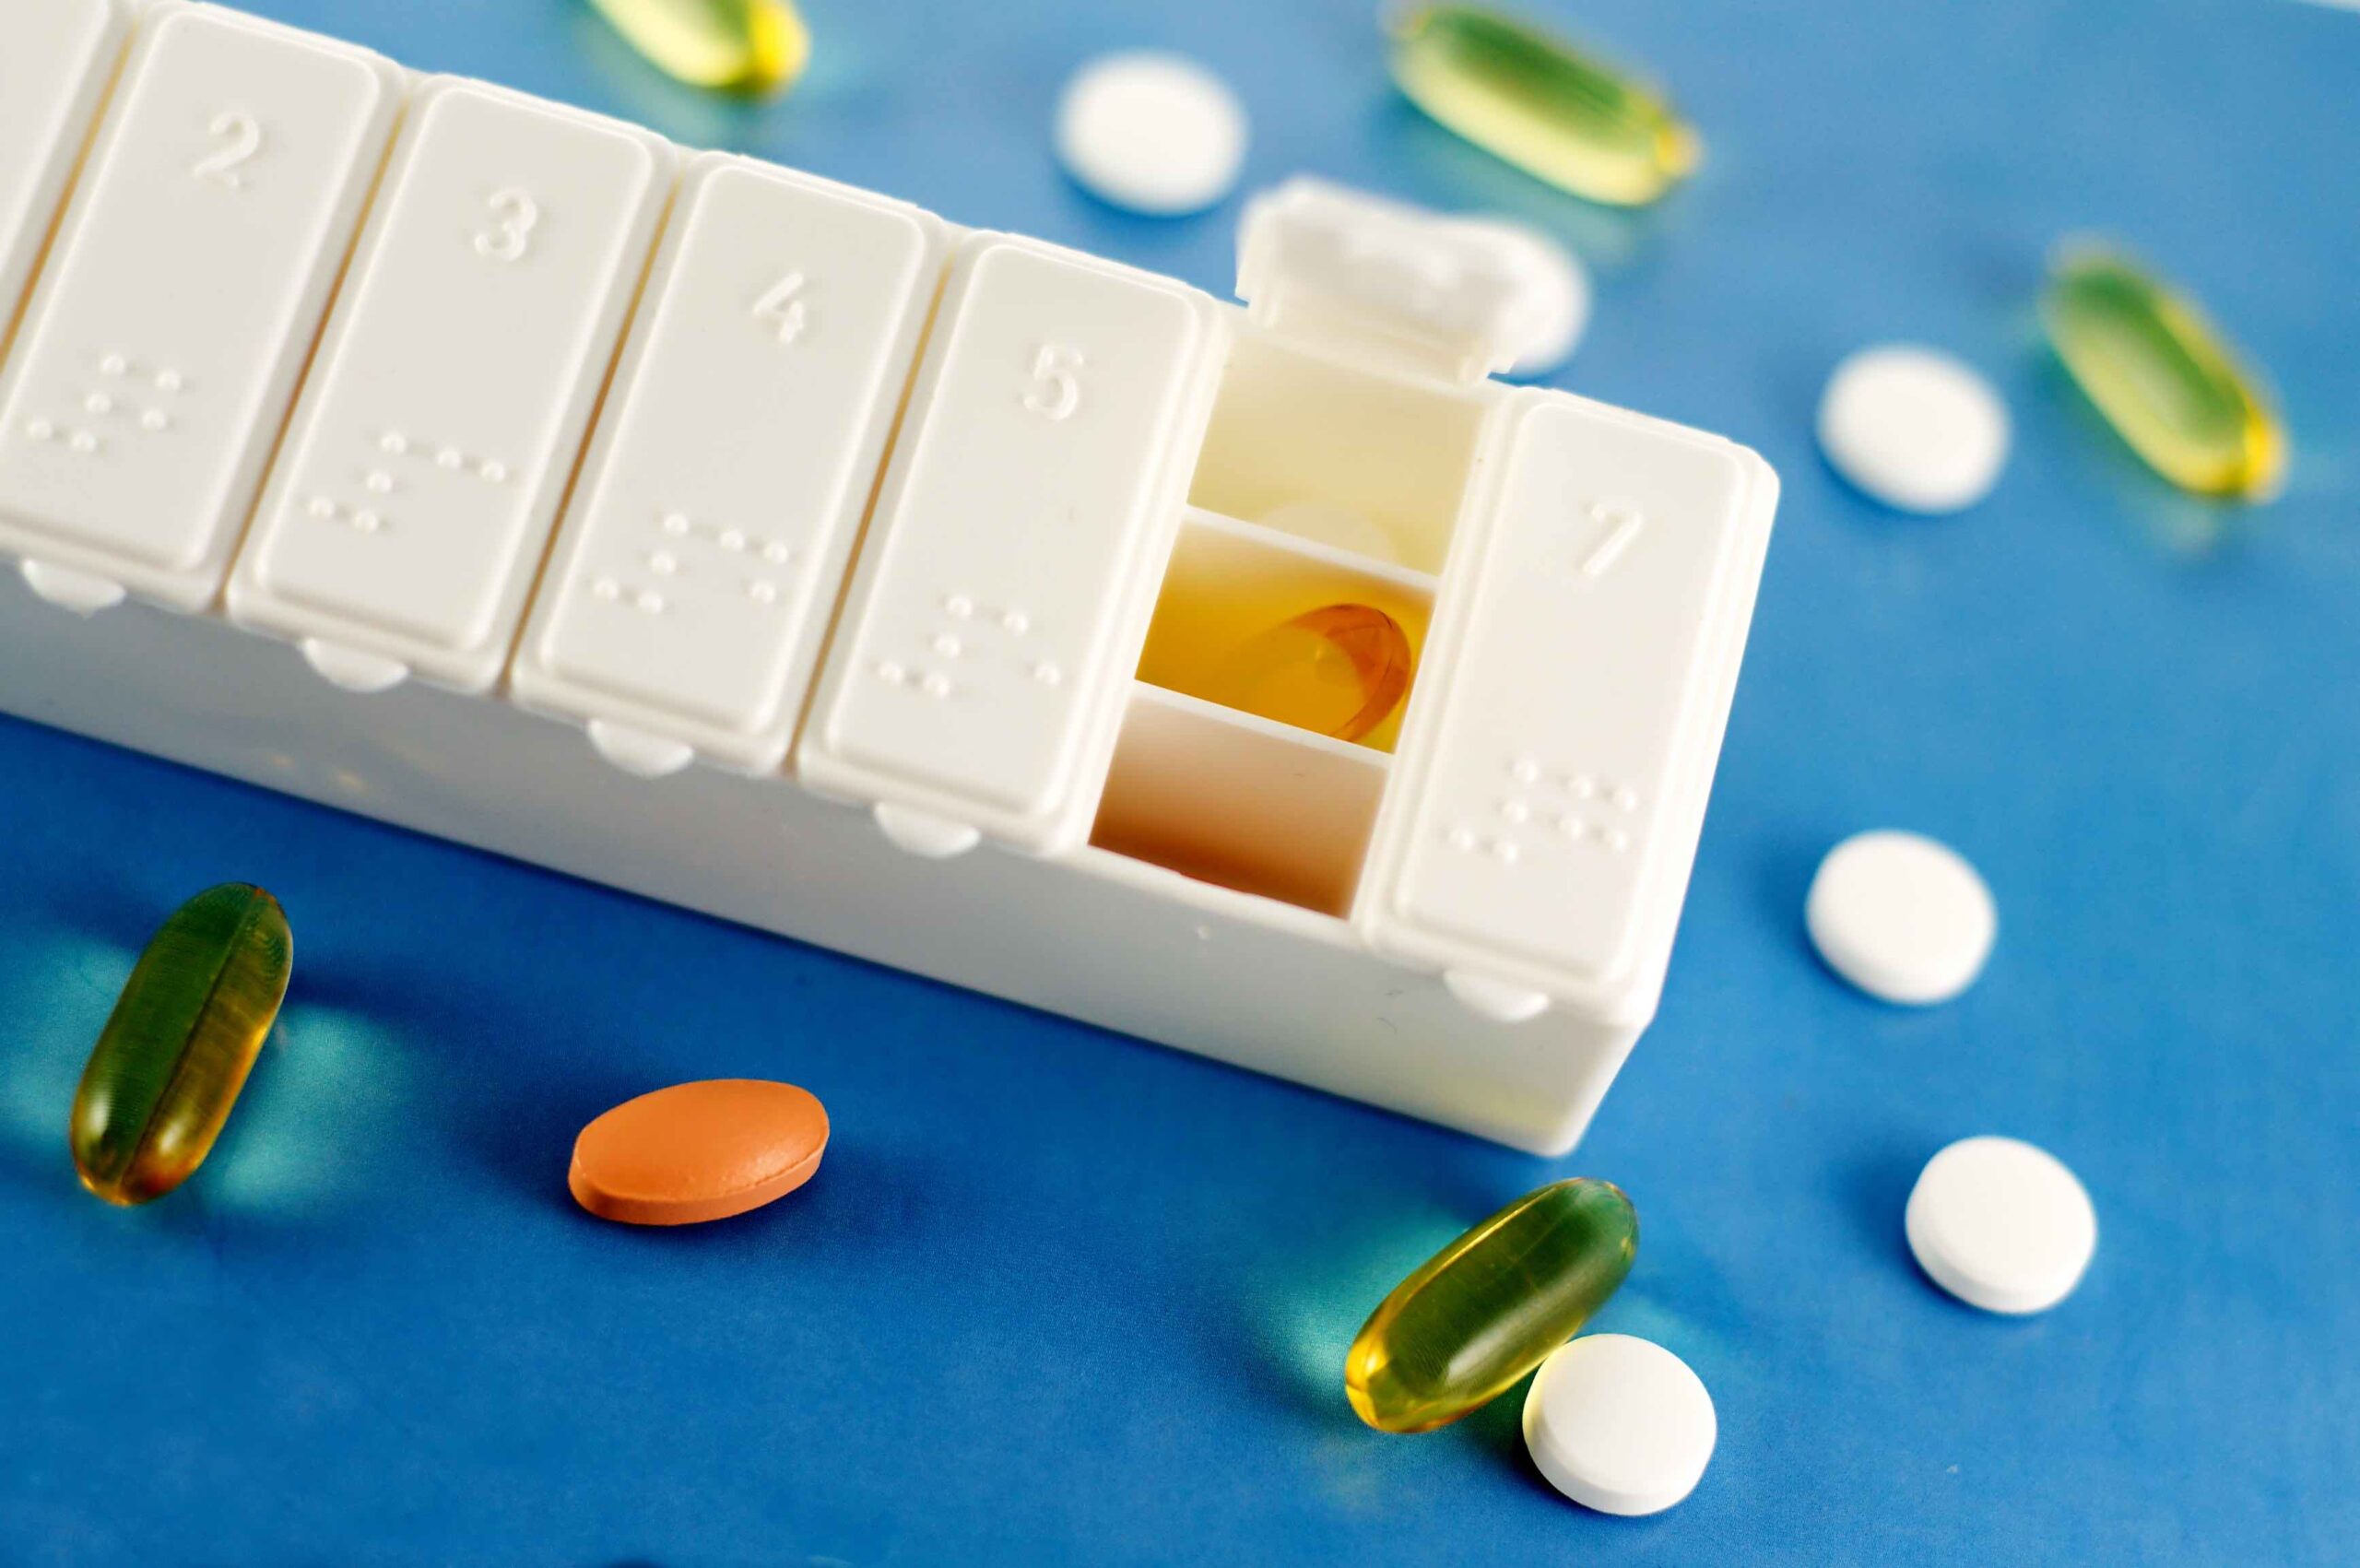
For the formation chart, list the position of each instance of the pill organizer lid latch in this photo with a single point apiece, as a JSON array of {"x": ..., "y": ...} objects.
[{"x": 1320, "y": 263}]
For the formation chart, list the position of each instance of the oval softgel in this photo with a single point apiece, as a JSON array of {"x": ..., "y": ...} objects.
[
  {"x": 175, "y": 1053},
  {"x": 1490, "y": 1306},
  {"x": 698, "y": 1151}
]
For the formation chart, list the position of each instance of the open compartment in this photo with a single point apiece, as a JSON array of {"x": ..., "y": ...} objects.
[
  {"x": 1231, "y": 628},
  {"x": 1241, "y": 802},
  {"x": 1338, "y": 453}
]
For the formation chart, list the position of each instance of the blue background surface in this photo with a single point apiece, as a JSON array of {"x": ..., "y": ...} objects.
[{"x": 1057, "y": 1297}]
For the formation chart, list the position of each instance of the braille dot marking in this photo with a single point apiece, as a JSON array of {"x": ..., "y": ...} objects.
[
  {"x": 1616, "y": 839},
  {"x": 1525, "y": 771},
  {"x": 449, "y": 458},
  {"x": 676, "y": 524},
  {"x": 84, "y": 443},
  {"x": 947, "y": 646},
  {"x": 367, "y": 522},
  {"x": 113, "y": 365},
  {"x": 393, "y": 445},
  {"x": 1626, "y": 798},
  {"x": 155, "y": 420},
  {"x": 649, "y": 602},
  {"x": 41, "y": 430},
  {"x": 1016, "y": 623},
  {"x": 493, "y": 473},
  {"x": 1570, "y": 825},
  {"x": 1461, "y": 838},
  {"x": 663, "y": 563},
  {"x": 1047, "y": 674},
  {"x": 732, "y": 540},
  {"x": 322, "y": 508},
  {"x": 169, "y": 381},
  {"x": 380, "y": 483},
  {"x": 935, "y": 686},
  {"x": 1504, "y": 852},
  {"x": 607, "y": 589},
  {"x": 959, "y": 607},
  {"x": 777, "y": 555},
  {"x": 1583, "y": 786},
  {"x": 891, "y": 674},
  {"x": 1516, "y": 811},
  {"x": 99, "y": 403},
  {"x": 762, "y": 593}
]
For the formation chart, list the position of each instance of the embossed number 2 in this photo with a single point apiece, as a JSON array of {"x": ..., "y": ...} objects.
[
  {"x": 240, "y": 138},
  {"x": 519, "y": 215},
  {"x": 1057, "y": 382}
]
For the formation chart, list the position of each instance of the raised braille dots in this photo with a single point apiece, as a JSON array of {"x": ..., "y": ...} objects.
[{"x": 155, "y": 421}]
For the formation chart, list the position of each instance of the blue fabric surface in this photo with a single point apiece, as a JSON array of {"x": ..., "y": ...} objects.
[{"x": 1061, "y": 1298}]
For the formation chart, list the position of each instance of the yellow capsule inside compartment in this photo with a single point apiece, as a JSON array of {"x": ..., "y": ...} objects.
[
  {"x": 1555, "y": 113},
  {"x": 1339, "y": 671},
  {"x": 176, "y": 1050},
  {"x": 2163, "y": 376},
  {"x": 747, "y": 45}
]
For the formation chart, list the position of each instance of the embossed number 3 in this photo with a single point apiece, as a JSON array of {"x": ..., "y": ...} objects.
[
  {"x": 519, "y": 215},
  {"x": 240, "y": 138},
  {"x": 1057, "y": 382}
]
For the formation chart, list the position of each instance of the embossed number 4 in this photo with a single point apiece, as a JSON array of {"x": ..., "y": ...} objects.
[
  {"x": 783, "y": 309},
  {"x": 240, "y": 138}
]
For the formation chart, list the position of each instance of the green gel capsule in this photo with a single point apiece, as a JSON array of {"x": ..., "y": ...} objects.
[
  {"x": 177, "y": 1049},
  {"x": 2163, "y": 376},
  {"x": 1558, "y": 114},
  {"x": 1490, "y": 1306}
]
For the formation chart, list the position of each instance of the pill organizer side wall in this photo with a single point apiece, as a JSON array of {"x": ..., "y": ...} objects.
[
  {"x": 1108, "y": 941},
  {"x": 1103, "y": 936}
]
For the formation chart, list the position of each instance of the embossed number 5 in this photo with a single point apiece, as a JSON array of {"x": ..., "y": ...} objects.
[
  {"x": 519, "y": 215},
  {"x": 1057, "y": 382}
]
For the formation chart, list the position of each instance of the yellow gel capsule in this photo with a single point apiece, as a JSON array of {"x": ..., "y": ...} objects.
[
  {"x": 2163, "y": 376},
  {"x": 177, "y": 1049},
  {"x": 749, "y": 45},
  {"x": 1339, "y": 671},
  {"x": 1490, "y": 1306},
  {"x": 1554, "y": 113}
]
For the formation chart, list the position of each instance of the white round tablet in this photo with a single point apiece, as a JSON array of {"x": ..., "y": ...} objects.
[
  {"x": 2001, "y": 1225},
  {"x": 1556, "y": 293},
  {"x": 1914, "y": 428},
  {"x": 1901, "y": 916},
  {"x": 1619, "y": 1424},
  {"x": 1150, "y": 132}
]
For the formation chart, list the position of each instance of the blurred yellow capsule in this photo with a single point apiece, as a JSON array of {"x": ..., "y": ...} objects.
[
  {"x": 748, "y": 45},
  {"x": 2163, "y": 376},
  {"x": 1554, "y": 113}
]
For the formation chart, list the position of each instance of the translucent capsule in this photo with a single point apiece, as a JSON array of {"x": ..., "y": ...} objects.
[
  {"x": 1490, "y": 1306},
  {"x": 2163, "y": 376},
  {"x": 749, "y": 45},
  {"x": 183, "y": 1037},
  {"x": 1556, "y": 113},
  {"x": 1340, "y": 671}
]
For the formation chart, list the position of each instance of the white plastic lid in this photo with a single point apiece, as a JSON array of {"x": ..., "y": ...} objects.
[{"x": 1320, "y": 262}]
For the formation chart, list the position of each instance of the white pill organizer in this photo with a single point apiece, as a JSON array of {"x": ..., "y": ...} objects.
[{"x": 382, "y": 439}]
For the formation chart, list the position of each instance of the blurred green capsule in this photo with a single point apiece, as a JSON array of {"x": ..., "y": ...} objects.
[
  {"x": 2163, "y": 376},
  {"x": 183, "y": 1037},
  {"x": 1553, "y": 112}
]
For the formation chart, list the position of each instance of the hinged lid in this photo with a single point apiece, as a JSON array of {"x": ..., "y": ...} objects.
[{"x": 1321, "y": 264}]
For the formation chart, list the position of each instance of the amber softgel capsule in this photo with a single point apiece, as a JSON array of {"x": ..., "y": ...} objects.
[
  {"x": 1490, "y": 1306},
  {"x": 745, "y": 45},
  {"x": 175, "y": 1054},
  {"x": 1553, "y": 111},
  {"x": 2163, "y": 376}
]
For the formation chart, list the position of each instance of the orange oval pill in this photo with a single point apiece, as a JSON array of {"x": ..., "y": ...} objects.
[{"x": 698, "y": 1151}]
